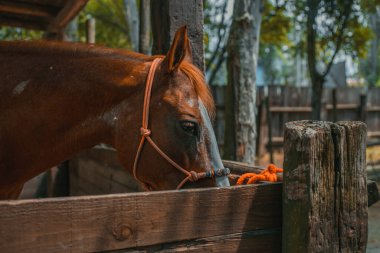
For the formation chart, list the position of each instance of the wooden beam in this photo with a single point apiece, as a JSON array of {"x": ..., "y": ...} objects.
[
  {"x": 50, "y": 3},
  {"x": 373, "y": 108},
  {"x": 342, "y": 106},
  {"x": 373, "y": 134},
  {"x": 325, "y": 192},
  {"x": 121, "y": 221},
  {"x": 27, "y": 9},
  {"x": 68, "y": 12},
  {"x": 241, "y": 168},
  {"x": 19, "y": 22},
  {"x": 289, "y": 109},
  {"x": 168, "y": 16}
]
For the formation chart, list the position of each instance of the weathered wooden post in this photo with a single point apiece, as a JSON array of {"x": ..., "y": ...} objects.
[
  {"x": 168, "y": 16},
  {"x": 325, "y": 189}
]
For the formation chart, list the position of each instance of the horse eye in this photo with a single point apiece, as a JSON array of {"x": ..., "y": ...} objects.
[{"x": 190, "y": 127}]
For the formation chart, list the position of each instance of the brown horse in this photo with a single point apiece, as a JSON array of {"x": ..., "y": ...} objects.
[{"x": 60, "y": 98}]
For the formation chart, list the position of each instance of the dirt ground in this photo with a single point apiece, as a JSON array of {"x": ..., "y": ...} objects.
[{"x": 373, "y": 245}]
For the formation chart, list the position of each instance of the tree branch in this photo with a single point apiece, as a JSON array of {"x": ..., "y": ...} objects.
[
  {"x": 221, "y": 24},
  {"x": 340, "y": 38},
  {"x": 221, "y": 59}
]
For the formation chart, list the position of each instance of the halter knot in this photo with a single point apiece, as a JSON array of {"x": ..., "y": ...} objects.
[
  {"x": 144, "y": 131},
  {"x": 193, "y": 177}
]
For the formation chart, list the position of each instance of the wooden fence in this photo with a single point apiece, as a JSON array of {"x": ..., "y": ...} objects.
[
  {"x": 277, "y": 105},
  {"x": 320, "y": 207}
]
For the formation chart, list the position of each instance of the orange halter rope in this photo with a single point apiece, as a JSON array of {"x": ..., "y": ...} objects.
[
  {"x": 145, "y": 132},
  {"x": 269, "y": 174}
]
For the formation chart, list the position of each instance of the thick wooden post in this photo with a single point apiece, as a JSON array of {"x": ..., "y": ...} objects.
[
  {"x": 168, "y": 16},
  {"x": 325, "y": 190}
]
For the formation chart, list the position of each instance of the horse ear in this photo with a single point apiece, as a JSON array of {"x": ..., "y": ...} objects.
[{"x": 180, "y": 50}]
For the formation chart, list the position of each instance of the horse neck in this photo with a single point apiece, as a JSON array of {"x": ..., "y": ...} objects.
[{"x": 74, "y": 105}]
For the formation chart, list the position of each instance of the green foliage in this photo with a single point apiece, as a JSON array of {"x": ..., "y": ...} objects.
[
  {"x": 111, "y": 25},
  {"x": 357, "y": 38},
  {"x": 338, "y": 23},
  {"x": 12, "y": 33},
  {"x": 275, "y": 25},
  {"x": 215, "y": 27},
  {"x": 369, "y": 6}
]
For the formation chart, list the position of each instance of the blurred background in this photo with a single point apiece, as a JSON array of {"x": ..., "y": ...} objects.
[{"x": 307, "y": 59}]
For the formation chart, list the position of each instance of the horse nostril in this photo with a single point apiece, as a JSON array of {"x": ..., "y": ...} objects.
[{"x": 148, "y": 187}]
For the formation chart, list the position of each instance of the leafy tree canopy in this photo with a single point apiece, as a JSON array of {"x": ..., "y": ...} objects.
[{"x": 111, "y": 25}]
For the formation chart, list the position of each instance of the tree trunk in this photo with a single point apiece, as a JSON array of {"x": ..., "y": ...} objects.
[
  {"x": 374, "y": 49},
  {"x": 144, "y": 32},
  {"x": 132, "y": 18},
  {"x": 316, "y": 78},
  {"x": 243, "y": 45},
  {"x": 316, "y": 96}
]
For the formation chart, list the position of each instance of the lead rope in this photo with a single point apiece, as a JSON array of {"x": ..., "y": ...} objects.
[{"x": 145, "y": 132}]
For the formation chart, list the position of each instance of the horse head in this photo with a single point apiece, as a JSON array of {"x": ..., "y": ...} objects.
[{"x": 174, "y": 143}]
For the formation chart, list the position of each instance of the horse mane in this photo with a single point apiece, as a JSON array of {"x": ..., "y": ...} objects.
[{"x": 201, "y": 88}]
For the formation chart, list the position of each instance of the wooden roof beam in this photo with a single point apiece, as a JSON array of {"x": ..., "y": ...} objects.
[
  {"x": 68, "y": 12},
  {"x": 18, "y": 22},
  {"x": 15, "y": 8}
]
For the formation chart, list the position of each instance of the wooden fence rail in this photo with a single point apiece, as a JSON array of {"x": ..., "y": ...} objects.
[
  {"x": 277, "y": 105},
  {"x": 320, "y": 207}
]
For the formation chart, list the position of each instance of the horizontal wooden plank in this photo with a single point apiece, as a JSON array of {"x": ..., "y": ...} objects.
[
  {"x": 27, "y": 9},
  {"x": 295, "y": 109},
  {"x": 20, "y": 22},
  {"x": 241, "y": 168},
  {"x": 343, "y": 106},
  {"x": 373, "y": 108},
  {"x": 120, "y": 221},
  {"x": 263, "y": 241},
  {"x": 373, "y": 134},
  {"x": 290, "y": 109},
  {"x": 50, "y": 3}
]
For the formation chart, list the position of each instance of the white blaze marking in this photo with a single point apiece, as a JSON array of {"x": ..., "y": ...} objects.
[
  {"x": 20, "y": 87},
  {"x": 190, "y": 102}
]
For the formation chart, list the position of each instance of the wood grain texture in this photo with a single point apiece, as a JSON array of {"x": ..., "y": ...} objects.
[
  {"x": 351, "y": 183},
  {"x": 120, "y": 221},
  {"x": 65, "y": 15},
  {"x": 325, "y": 191},
  {"x": 168, "y": 16},
  {"x": 264, "y": 241},
  {"x": 98, "y": 171}
]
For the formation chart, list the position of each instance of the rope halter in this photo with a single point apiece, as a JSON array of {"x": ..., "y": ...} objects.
[{"x": 145, "y": 132}]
